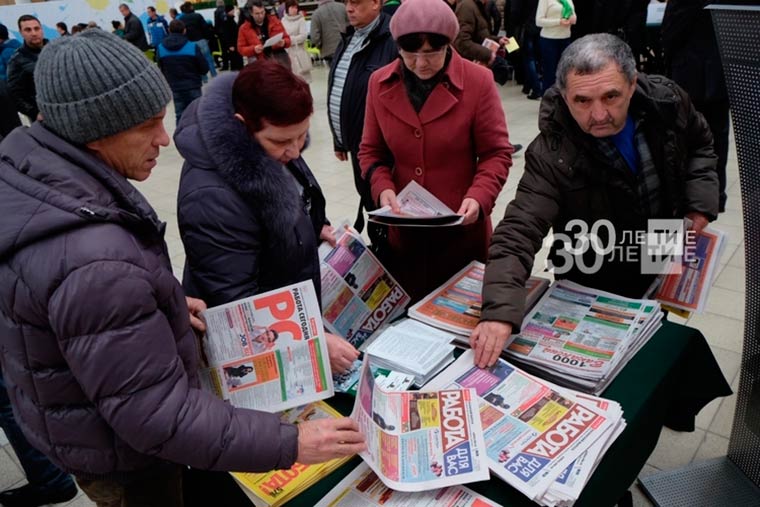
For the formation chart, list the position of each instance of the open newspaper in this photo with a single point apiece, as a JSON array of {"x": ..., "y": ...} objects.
[
  {"x": 542, "y": 439},
  {"x": 419, "y": 208},
  {"x": 387, "y": 379},
  {"x": 363, "y": 488},
  {"x": 275, "y": 488},
  {"x": 268, "y": 352},
  {"x": 358, "y": 294},
  {"x": 581, "y": 337},
  {"x": 455, "y": 306},
  {"x": 688, "y": 289},
  {"x": 419, "y": 441}
]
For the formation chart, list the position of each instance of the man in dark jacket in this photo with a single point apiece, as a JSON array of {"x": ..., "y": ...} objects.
[
  {"x": 366, "y": 46},
  {"x": 96, "y": 336},
  {"x": 133, "y": 29},
  {"x": 616, "y": 147},
  {"x": 183, "y": 65},
  {"x": 21, "y": 66},
  {"x": 198, "y": 32},
  {"x": 8, "y": 116}
]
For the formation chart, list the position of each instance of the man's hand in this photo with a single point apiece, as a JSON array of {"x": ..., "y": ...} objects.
[
  {"x": 487, "y": 340},
  {"x": 341, "y": 155},
  {"x": 279, "y": 45},
  {"x": 342, "y": 354},
  {"x": 388, "y": 198},
  {"x": 328, "y": 234},
  {"x": 470, "y": 209},
  {"x": 195, "y": 307},
  {"x": 321, "y": 440},
  {"x": 503, "y": 41},
  {"x": 698, "y": 221},
  {"x": 258, "y": 49}
]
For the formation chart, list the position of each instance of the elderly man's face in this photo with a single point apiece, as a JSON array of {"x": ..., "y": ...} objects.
[
  {"x": 599, "y": 102},
  {"x": 133, "y": 153},
  {"x": 362, "y": 12}
]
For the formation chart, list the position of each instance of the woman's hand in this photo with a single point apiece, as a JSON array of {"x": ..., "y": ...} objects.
[
  {"x": 328, "y": 234},
  {"x": 388, "y": 198},
  {"x": 470, "y": 209},
  {"x": 565, "y": 22},
  {"x": 487, "y": 341},
  {"x": 573, "y": 19},
  {"x": 342, "y": 354}
]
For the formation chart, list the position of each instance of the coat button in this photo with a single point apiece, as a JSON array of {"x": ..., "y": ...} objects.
[
  {"x": 418, "y": 171},
  {"x": 417, "y": 133}
]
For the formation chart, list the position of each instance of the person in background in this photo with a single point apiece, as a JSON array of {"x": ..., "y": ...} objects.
[
  {"x": 436, "y": 119},
  {"x": 228, "y": 38},
  {"x": 391, "y": 6},
  {"x": 251, "y": 214},
  {"x": 474, "y": 30},
  {"x": 62, "y": 29},
  {"x": 220, "y": 16},
  {"x": 295, "y": 26},
  {"x": 555, "y": 18},
  {"x": 259, "y": 27},
  {"x": 133, "y": 29},
  {"x": 118, "y": 28},
  {"x": 173, "y": 14},
  {"x": 9, "y": 119},
  {"x": 8, "y": 46},
  {"x": 524, "y": 15},
  {"x": 157, "y": 27},
  {"x": 183, "y": 65},
  {"x": 614, "y": 145},
  {"x": 197, "y": 31},
  {"x": 328, "y": 24},
  {"x": 113, "y": 396},
  {"x": 493, "y": 16},
  {"x": 367, "y": 46},
  {"x": 21, "y": 66}
]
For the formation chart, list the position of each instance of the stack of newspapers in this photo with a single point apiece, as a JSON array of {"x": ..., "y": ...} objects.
[
  {"x": 542, "y": 439},
  {"x": 581, "y": 338},
  {"x": 412, "y": 348}
]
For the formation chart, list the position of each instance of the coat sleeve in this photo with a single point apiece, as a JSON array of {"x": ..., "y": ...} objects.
[
  {"x": 299, "y": 37},
  {"x": 315, "y": 31},
  {"x": 541, "y": 11},
  {"x": 515, "y": 242},
  {"x": 247, "y": 40},
  {"x": 222, "y": 244},
  {"x": 19, "y": 86},
  {"x": 494, "y": 153},
  {"x": 464, "y": 43},
  {"x": 123, "y": 353},
  {"x": 701, "y": 176},
  {"x": 201, "y": 64},
  {"x": 374, "y": 155}
]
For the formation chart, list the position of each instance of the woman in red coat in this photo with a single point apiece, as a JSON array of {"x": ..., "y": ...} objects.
[{"x": 437, "y": 119}]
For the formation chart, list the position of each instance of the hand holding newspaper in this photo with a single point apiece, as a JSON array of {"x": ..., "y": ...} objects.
[
  {"x": 268, "y": 352},
  {"x": 419, "y": 208},
  {"x": 275, "y": 39},
  {"x": 419, "y": 441}
]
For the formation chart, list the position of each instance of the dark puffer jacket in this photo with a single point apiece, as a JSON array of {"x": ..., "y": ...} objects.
[
  {"x": 241, "y": 217},
  {"x": 21, "y": 80},
  {"x": 97, "y": 349},
  {"x": 567, "y": 177}
]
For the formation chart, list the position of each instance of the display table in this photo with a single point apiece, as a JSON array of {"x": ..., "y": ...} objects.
[{"x": 666, "y": 384}]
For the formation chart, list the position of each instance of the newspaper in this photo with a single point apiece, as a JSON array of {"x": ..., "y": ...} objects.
[
  {"x": 358, "y": 294},
  {"x": 533, "y": 430},
  {"x": 268, "y": 352},
  {"x": 388, "y": 380},
  {"x": 455, "y": 306},
  {"x": 275, "y": 39},
  {"x": 362, "y": 488},
  {"x": 279, "y": 486},
  {"x": 689, "y": 289},
  {"x": 419, "y": 441},
  {"x": 419, "y": 208}
]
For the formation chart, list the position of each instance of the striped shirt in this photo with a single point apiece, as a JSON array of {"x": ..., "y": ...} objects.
[{"x": 334, "y": 102}]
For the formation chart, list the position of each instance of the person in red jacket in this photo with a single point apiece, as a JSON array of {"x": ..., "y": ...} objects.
[
  {"x": 434, "y": 118},
  {"x": 257, "y": 29}
]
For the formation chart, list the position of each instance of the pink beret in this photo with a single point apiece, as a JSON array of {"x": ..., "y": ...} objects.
[{"x": 424, "y": 16}]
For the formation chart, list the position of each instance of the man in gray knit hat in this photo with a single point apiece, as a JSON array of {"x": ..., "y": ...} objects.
[{"x": 97, "y": 340}]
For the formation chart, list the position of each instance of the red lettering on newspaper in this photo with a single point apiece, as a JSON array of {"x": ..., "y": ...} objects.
[
  {"x": 282, "y": 306},
  {"x": 453, "y": 418},
  {"x": 551, "y": 443},
  {"x": 273, "y": 487}
]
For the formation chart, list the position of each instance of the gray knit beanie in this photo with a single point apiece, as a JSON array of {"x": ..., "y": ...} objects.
[{"x": 94, "y": 85}]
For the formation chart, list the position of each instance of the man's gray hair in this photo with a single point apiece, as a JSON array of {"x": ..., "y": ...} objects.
[{"x": 592, "y": 53}]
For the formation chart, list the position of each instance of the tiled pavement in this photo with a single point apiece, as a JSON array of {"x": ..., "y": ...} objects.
[{"x": 722, "y": 323}]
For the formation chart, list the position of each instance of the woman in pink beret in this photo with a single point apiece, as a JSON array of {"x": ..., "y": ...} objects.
[{"x": 434, "y": 118}]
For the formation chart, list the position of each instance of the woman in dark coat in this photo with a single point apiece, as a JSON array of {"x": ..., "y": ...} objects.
[{"x": 251, "y": 214}]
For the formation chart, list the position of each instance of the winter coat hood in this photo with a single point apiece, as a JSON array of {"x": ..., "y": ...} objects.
[{"x": 174, "y": 41}]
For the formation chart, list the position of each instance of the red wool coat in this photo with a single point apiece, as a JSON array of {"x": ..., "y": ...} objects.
[
  {"x": 248, "y": 36},
  {"x": 456, "y": 147}
]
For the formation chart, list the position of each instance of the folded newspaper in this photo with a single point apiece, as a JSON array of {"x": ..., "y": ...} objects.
[
  {"x": 267, "y": 352},
  {"x": 419, "y": 208},
  {"x": 389, "y": 380},
  {"x": 580, "y": 337},
  {"x": 358, "y": 295},
  {"x": 363, "y": 488},
  {"x": 455, "y": 306},
  {"x": 420, "y": 441},
  {"x": 542, "y": 439},
  {"x": 275, "y": 488}
]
